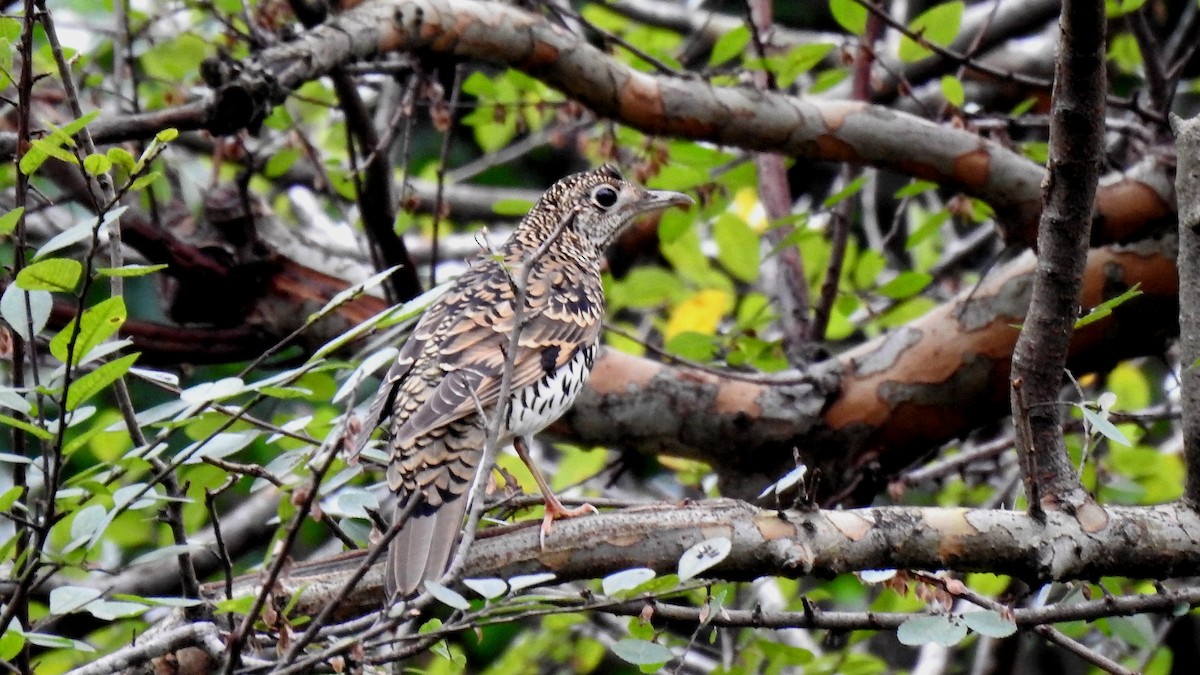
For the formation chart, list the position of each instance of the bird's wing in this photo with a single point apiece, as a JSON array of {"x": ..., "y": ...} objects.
[
  {"x": 381, "y": 406},
  {"x": 465, "y": 355}
]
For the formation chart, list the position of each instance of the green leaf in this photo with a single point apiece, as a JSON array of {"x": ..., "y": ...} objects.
[
  {"x": 8, "y": 222},
  {"x": 642, "y": 652},
  {"x": 868, "y": 268},
  {"x": 95, "y": 326},
  {"x": 75, "y": 126},
  {"x": 915, "y": 188},
  {"x": 841, "y": 195},
  {"x": 801, "y": 59},
  {"x": 938, "y": 24},
  {"x": 237, "y": 605},
  {"x": 11, "y": 643},
  {"x": 177, "y": 59},
  {"x": 692, "y": 346},
  {"x": 52, "y": 274},
  {"x": 850, "y": 15},
  {"x": 512, "y": 207},
  {"x": 280, "y": 162},
  {"x": 1105, "y": 308},
  {"x": 167, "y": 135},
  {"x": 130, "y": 270},
  {"x": 1118, "y": 8},
  {"x": 828, "y": 79},
  {"x": 144, "y": 182},
  {"x": 729, "y": 45},
  {"x": 990, "y": 623},
  {"x": 26, "y": 427},
  {"x": 9, "y": 498},
  {"x": 737, "y": 247},
  {"x": 122, "y": 158},
  {"x": 52, "y": 148},
  {"x": 952, "y": 89},
  {"x": 97, "y": 164},
  {"x": 645, "y": 288},
  {"x": 94, "y": 382},
  {"x": 905, "y": 285},
  {"x": 937, "y": 629}
]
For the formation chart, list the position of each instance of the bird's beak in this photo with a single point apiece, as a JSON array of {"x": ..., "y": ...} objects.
[{"x": 657, "y": 200}]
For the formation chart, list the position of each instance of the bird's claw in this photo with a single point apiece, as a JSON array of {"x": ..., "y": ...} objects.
[{"x": 556, "y": 511}]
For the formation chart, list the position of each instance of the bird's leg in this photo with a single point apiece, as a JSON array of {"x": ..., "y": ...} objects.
[{"x": 554, "y": 508}]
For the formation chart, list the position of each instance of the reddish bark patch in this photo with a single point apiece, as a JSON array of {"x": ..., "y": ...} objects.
[
  {"x": 616, "y": 373},
  {"x": 1124, "y": 208},
  {"x": 973, "y": 169}
]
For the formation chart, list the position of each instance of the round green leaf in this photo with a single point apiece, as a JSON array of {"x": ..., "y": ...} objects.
[
  {"x": 703, "y": 556},
  {"x": 642, "y": 652},
  {"x": 990, "y": 623},
  {"x": 937, "y": 629}
]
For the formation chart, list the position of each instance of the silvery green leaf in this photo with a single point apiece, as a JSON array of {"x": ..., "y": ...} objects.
[
  {"x": 165, "y": 552},
  {"x": 68, "y": 237},
  {"x": 109, "y": 610},
  {"x": 127, "y": 493},
  {"x": 13, "y": 400},
  {"x": 489, "y": 588},
  {"x": 12, "y": 309},
  {"x": 161, "y": 377},
  {"x": 876, "y": 576},
  {"x": 447, "y": 596},
  {"x": 990, "y": 623},
  {"x": 364, "y": 370},
  {"x": 642, "y": 652},
  {"x": 67, "y": 599},
  {"x": 626, "y": 580},
  {"x": 703, "y": 556},
  {"x": 213, "y": 391},
  {"x": 352, "y": 502},
  {"x": 217, "y": 447},
  {"x": 523, "y": 581},
  {"x": 88, "y": 521},
  {"x": 780, "y": 486},
  {"x": 937, "y": 629}
]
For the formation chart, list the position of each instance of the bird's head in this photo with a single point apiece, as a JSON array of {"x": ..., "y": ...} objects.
[{"x": 601, "y": 204}]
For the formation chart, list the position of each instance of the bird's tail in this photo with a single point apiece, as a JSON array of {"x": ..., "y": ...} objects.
[{"x": 422, "y": 549}]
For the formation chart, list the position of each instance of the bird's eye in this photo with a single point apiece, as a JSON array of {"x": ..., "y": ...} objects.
[{"x": 604, "y": 196}]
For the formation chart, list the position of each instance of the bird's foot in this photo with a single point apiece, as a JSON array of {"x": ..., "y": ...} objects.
[{"x": 556, "y": 511}]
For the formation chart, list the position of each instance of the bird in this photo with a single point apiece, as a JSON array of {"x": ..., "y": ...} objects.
[{"x": 443, "y": 390}]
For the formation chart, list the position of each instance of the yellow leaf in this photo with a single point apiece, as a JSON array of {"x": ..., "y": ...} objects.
[
  {"x": 700, "y": 313},
  {"x": 747, "y": 206}
]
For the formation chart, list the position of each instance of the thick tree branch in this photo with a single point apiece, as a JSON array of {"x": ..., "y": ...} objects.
[
  {"x": 1187, "y": 133},
  {"x": 1076, "y": 135},
  {"x": 1137, "y": 542},
  {"x": 893, "y": 399},
  {"x": 686, "y": 108}
]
